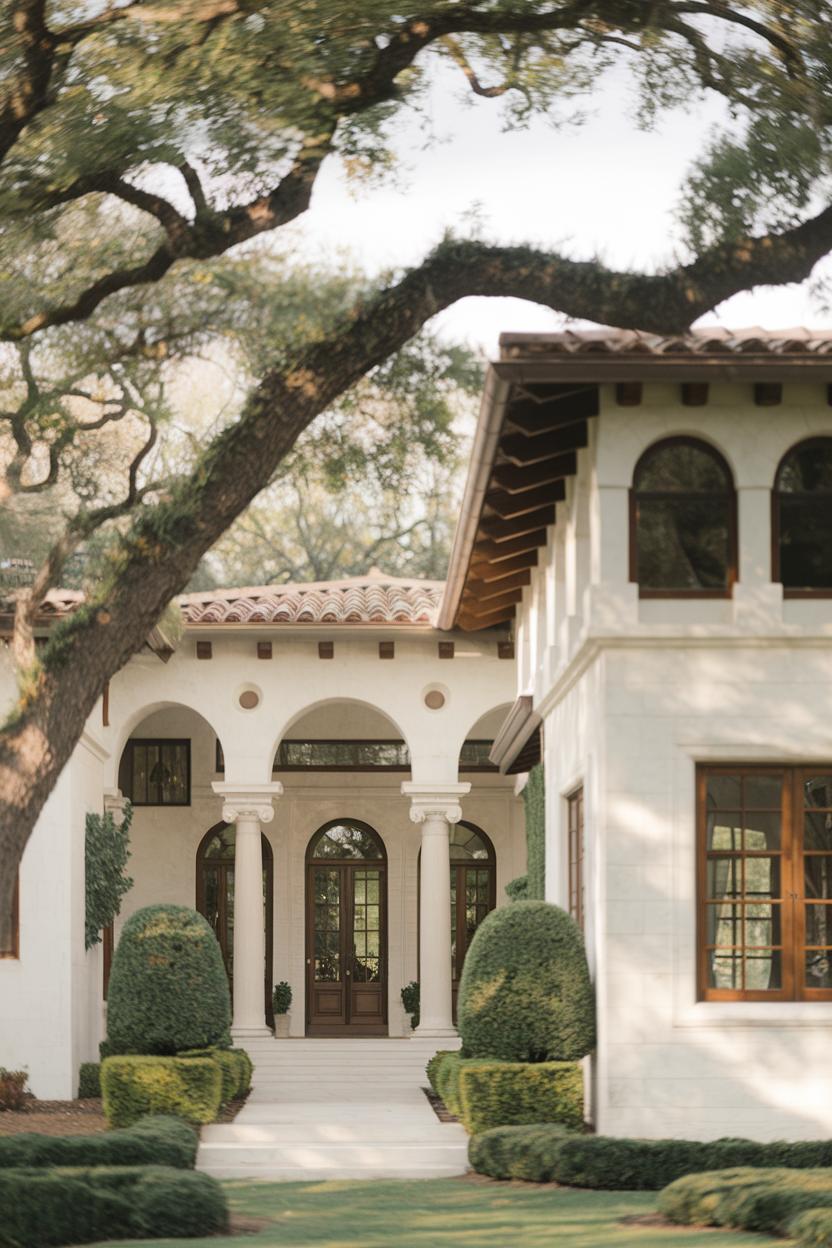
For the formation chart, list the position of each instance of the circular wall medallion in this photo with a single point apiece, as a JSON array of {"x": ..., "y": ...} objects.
[
  {"x": 434, "y": 699},
  {"x": 248, "y": 699}
]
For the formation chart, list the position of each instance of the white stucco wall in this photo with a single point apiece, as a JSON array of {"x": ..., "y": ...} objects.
[{"x": 633, "y": 694}]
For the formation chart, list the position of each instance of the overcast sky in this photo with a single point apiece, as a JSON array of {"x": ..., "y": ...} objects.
[{"x": 604, "y": 188}]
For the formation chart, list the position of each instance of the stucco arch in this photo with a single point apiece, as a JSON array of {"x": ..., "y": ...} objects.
[
  {"x": 312, "y": 710},
  {"x": 126, "y": 727}
]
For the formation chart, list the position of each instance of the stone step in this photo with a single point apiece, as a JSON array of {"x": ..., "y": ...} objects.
[{"x": 314, "y": 1159}]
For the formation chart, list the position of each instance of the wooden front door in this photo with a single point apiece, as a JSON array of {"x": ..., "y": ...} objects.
[
  {"x": 346, "y": 934},
  {"x": 215, "y": 899}
]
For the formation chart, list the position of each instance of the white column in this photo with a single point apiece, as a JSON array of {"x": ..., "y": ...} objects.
[
  {"x": 248, "y": 807},
  {"x": 435, "y": 808}
]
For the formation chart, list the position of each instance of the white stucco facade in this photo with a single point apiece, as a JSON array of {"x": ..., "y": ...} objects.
[{"x": 634, "y": 693}]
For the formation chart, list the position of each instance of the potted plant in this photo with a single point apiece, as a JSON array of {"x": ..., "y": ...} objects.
[
  {"x": 410, "y": 1002},
  {"x": 281, "y": 1004}
]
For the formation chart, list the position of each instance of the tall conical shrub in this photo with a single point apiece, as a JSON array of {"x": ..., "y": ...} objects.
[
  {"x": 168, "y": 987},
  {"x": 525, "y": 994}
]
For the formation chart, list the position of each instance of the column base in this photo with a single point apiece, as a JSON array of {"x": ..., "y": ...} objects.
[
  {"x": 251, "y": 1033},
  {"x": 428, "y": 1032}
]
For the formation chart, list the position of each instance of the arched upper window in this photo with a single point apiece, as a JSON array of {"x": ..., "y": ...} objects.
[
  {"x": 470, "y": 844},
  {"x": 683, "y": 527},
  {"x": 802, "y": 518},
  {"x": 346, "y": 838}
]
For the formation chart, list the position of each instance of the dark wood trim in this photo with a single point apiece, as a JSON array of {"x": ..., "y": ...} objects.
[
  {"x": 105, "y": 705},
  {"x": 264, "y": 649},
  {"x": 575, "y": 854},
  {"x": 556, "y": 408},
  {"x": 497, "y": 530},
  {"x": 522, "y": 449},
  {"x": 477, "y": 605},
  {"x": 628, "y": 393},
  {"x": 125, "y": 769},
  {"x": 768, "y": 393},
  {"x": 694, "y": 393},
  {"x": 204, "y": 650},
  {"x": 222, "y": 864},
  {"x": 776, "y": 494},
  {"x": 485, "y": 590},
  {"x": 636, "y": 496},
  {"x": 482, "y": 570},
  {"x": 13, "y": 951},
  {"x": 498, "y": 552},
  {"x": 470, "y": 623},
  {"x": 515, "y": 480},
  {"x": 507, "y": 506}
]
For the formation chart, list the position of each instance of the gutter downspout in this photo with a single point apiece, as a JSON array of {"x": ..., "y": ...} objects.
[{"x": 483, "y": 454}]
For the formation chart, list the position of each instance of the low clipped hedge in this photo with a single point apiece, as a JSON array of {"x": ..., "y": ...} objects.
[
  {"x": 132, "y": 1086},
  {"x": 246, "y": 1070},
  {"x": 527, "y": 1152},
  {"x": 748, "y": 1199},
  {"x": 230, "y": 1068},
  {"x": 813, "y": 1229},
  {"x": 154, "y": 1140},
  {"x": 433, "y": 1067},
  {"x": 445, "y": 1083},
  {"x": 496, "y": 1094},
  {"x": 89, "y": 1080},
  {"x": 544, "y": 1154},
  {"x": 81, "y": 1206}
]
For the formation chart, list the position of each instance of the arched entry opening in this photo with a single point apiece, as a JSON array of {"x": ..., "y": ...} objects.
[
  {"x": 215, "y": 897},
  {"x": 346, "y": 931},
  {"x": 473, "y": 866}
]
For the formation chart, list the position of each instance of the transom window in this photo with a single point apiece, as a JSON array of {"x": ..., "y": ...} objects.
[
  {"x": 295, "y": 754},
  {"x": 765, "y": 883},
  {"x": 156, "y": 772},
  {"x": 683, "y": 522},
  {"x": 802, "y": 519},
  {"x": 346, "y": 840}
]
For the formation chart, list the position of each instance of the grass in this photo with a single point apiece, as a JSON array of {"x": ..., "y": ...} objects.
[{"x": 449, "y": 1213}]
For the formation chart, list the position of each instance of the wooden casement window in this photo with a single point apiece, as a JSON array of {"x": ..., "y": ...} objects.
[
  {"x": 801, "y": 520},
  {"x": 765, "y": 883},
  {"x": 575, "y": 851},
  {"x": 12, "y": 950},
  {"x": 156, "y": 771},
  {"x": 683, "y": 522}
]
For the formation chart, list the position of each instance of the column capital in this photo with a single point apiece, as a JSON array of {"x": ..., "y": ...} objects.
[
  {"x": 114, "y": 803},
  {"x": 435, "y": 801},
  {"x": 252, "y": 800}
]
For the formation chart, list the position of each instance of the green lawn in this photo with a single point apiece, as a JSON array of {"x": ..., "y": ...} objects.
[{"x": 444, "y": 1213}]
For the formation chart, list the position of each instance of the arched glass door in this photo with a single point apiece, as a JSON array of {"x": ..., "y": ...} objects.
[
  {"x": 346, "y": 931},
  {"x": 473, "y": 891},
  {"x": 215, "y": 897}
]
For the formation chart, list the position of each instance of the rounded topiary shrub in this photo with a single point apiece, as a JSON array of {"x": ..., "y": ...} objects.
[
  {"x": 168, "y": 987},
  {"x": 525, "y": 994}
]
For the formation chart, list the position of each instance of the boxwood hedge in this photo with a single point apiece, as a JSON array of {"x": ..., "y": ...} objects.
[
  {"x": 155, "y": 1139},
  {"x": 79, "y": 1206},
  {"x": 544, "y": 1154},
  {"x": 168, "y": 988},
  {"x": 495, "y": 1094},
  {"x": 190, "y": 1087},
  {"x": 525, "y": 993},
  {"x": 747, "y": 1199}
]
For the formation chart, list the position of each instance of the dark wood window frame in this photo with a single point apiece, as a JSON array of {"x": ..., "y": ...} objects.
[
  {"x": 776, "y": 494},
  {"x": 575, "y": 854},
  {"x": 792, "y": 900},
  {"x": 635, "y": 496},
  {"x": 13, "y": 952},
  {"x": 126, "y": 767}
]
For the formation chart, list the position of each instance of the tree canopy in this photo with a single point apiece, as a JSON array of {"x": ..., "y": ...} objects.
[{"x": 149, "y": 148}]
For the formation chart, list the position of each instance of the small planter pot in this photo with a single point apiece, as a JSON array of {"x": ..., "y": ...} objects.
[{"x": 281, "y": 1026}]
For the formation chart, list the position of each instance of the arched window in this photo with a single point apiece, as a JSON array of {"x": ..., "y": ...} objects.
[
  {"x": 683, "y": 522},
  {"x": 349, "y": 839},
  {"x": 802, "y": 519}
]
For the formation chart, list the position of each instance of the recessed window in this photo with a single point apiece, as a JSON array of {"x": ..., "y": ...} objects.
[
  {"x": 575, "y": 852},
  {"x": 765, "y": 883},
  {"x": 683, "y": 522},
  {"x": 156, "y": 772},
  {"x": 11, "y": 949},
  {"x": 802, "y": 519}
]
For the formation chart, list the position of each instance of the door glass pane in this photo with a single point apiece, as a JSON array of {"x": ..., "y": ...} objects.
[
  {"x": 763, "y": 792},
  {"x": 725, "y": 969},
  {"x": 818, "y": 831},
  {"x": 817, "y": 872},
  {"x": 366, "y": 924},
  {"x": 762, "y": 831},
  {"x": 725, "y": 831},
  {"x": 326, "y": 892},
  {"x": 818, "y": 968},
  {"x": 211, "y": 904},
  {"x": 762, "y": 970},
  {"x": 818, "y": 925}
]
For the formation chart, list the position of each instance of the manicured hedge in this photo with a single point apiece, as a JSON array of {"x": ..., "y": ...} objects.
[
  {"x": 525, "y": 993},
  {"x": 58, "y": 1207},
  {"x": 89, "y": 1079},
  {"x": 527, "y": 1152},
  {"x": 168, "y": 988},
  {"x": 534, "y": 801},
  {"x": 433, "y": 1066},
  {"x": 236, "y": 1069},
  {"x": 750, "y": 1200},
  {"x": 543, "y": 1154},
  {"x": 446, "y": 1079},
  {"x": 813, "y": 1229},
  {"x": 153, "y": 1140},
  {"x": 190, "y": 1087},
  {"x": 496, "y": 1094},
  {"x": 246, "y": 1070}
]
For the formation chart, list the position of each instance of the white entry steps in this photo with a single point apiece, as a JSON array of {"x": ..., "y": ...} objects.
[{"x": 336, "y": 1109}]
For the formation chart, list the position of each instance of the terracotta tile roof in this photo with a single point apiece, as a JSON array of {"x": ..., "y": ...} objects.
[
  {"x": 371, "y": 599},
  {"x": 711, "y": 340}
]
